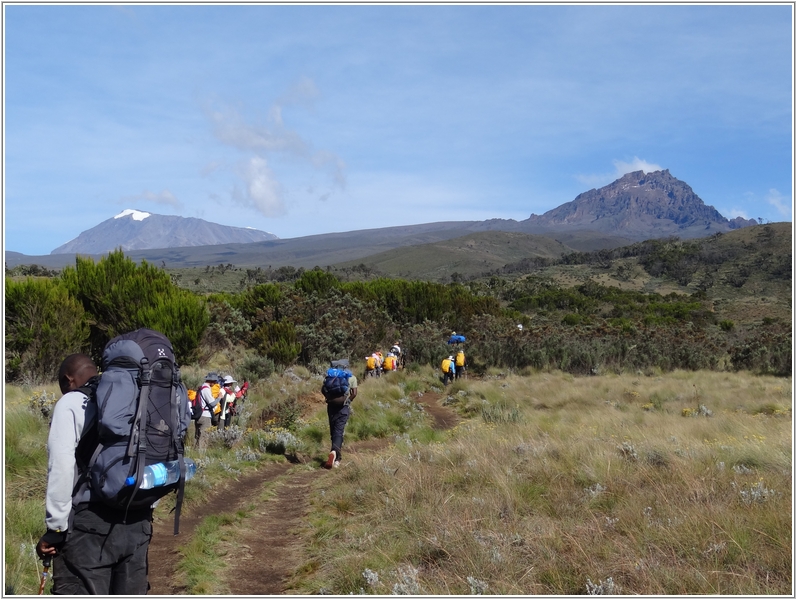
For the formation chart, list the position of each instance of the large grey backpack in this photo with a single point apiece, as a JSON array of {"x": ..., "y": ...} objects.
[{"x": 142, "y": 418}]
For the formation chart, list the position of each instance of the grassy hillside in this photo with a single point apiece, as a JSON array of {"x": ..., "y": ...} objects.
[
  {"x": 746, "y": 274},
  {"x": 587, "y": 241},
  {"x": 467, "y": 256}
]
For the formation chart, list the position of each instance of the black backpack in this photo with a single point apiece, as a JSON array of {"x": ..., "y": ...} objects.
[{"x": 142, "y": 418}]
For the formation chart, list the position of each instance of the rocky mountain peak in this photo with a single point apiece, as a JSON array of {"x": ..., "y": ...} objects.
[{"x": 638, "y": 205}]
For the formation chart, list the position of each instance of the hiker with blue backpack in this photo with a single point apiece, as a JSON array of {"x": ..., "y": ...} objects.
[
  {"x": 115, "y": 448},
  {"x": 339, "y": 389}
]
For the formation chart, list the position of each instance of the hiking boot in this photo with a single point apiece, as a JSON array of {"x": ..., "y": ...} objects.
[{"x": 331, "y": 459}]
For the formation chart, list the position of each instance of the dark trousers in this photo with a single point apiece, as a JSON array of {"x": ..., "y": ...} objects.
[
  {"x": 102, "y": 555},
  {"x": 338, "y": 416}
]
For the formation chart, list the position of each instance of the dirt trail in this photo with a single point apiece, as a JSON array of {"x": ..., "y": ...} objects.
[
  {"x": 270, "y": 531},
  {"x": 163, "y": 551}
]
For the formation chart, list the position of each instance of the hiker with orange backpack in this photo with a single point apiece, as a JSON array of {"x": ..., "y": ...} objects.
[
  {"x": 390, "y": 363},
  {"x": 208, "y": 416},
  {"x": 459, "y": 363},
  {"x": 370, "y": 366},
  {"x": 449, "y": 369}
]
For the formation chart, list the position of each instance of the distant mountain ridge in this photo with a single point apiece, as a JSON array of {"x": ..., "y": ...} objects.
[
  {"x": 636, "y": 207},
  {"x": 641, "y": 206},
  {"x": 139, "y": 230}
]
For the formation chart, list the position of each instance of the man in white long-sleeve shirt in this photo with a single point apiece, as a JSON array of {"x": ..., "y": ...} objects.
[
  {"x": 95, "y": 549},
  {"x": 208, "y": 403}
]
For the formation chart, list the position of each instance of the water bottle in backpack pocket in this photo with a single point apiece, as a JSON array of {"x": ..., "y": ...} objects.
[{"x": 161, "y": 474}]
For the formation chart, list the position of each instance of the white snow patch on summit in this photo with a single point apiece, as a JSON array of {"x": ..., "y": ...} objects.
[{"x": 136, "y": 214}]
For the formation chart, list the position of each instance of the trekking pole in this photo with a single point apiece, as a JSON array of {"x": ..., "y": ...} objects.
[{"x": 46, "y": 562}]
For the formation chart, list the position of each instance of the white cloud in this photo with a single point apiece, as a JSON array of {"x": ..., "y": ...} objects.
[
  {"x": 737, "y": 212},
  {"x": 621, "y": 168},
  {"x": 268, "y": 140},
  {"x": 637, "y": 164},
  {"x": 230, "y": 129},
  {"x": 781, "y": 204},
  {"x": 263, "y": 192}
]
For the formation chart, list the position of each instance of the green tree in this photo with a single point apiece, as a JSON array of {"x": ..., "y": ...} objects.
[
  {"x": 44, "y": 323},
  {"x": 119, "y": 296},
  {"x": 316, "y": 281},
  {"x": 259, "y": 303}
]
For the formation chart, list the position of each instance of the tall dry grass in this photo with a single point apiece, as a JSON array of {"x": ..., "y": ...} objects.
[{"x": 678, "y": 484}]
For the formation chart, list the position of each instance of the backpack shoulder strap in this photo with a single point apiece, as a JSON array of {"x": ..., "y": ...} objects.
[
  {"x": 90, "y": 439},
  {"x": 138, "y": 438},
  {"x": 201, "y": 397}
]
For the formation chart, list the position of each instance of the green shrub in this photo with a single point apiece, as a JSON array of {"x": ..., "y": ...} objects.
[
  {"x": 227, "y": 327},
  {"x": 255, "y": 368},
  {"x": 571, "y": 319},
  {"x": 277, "y": 340},
  {"x": 120, "y": 296},
  {"x": 44, "y": 324},
  {"x": 283, "y": 412}
]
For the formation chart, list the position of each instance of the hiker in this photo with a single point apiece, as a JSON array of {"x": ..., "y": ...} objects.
[
  {"x": 191, "y": 401},
  {"x": 95, "y": 549},
  {"x": 228, "y": 401},
  {"x": 448, "y": 366},
  {"x": 459, "y": 363},
  {"x": 338, "y": 406},
  {"x": 208, "y": 418},
  {"x": 396, "y": 350},
  {"x": 240, "y": 392},
  {"x": 370, "y": 366},
  {"x": 377, "y": 356},
  {"x": 390, "y": 363}
]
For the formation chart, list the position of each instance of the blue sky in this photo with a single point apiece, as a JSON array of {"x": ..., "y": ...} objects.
[{"x": 300, "y": 120}]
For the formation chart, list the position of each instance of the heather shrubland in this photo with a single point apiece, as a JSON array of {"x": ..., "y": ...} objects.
[{"x": 312, "y": 317}]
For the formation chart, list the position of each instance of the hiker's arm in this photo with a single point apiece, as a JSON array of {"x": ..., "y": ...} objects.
[
  {"x": 207, "y": 398},
  {"x": 65, "y": 432}
]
